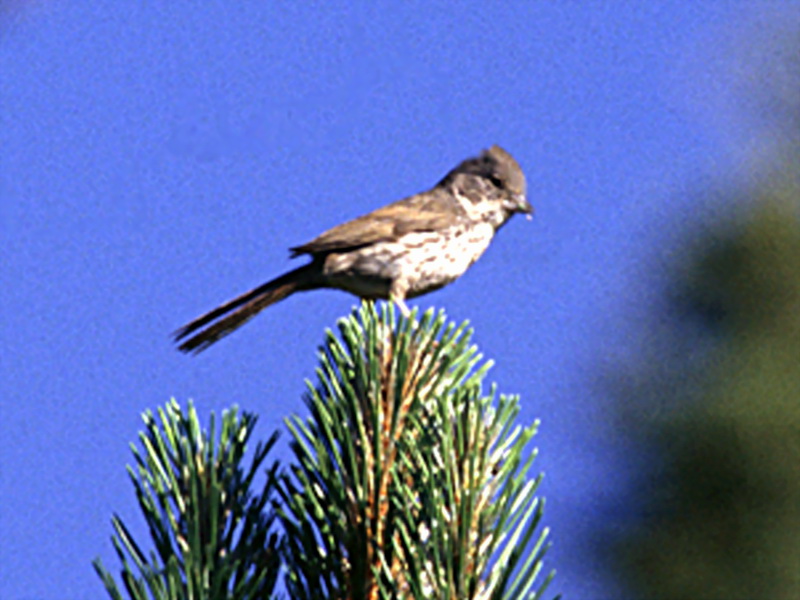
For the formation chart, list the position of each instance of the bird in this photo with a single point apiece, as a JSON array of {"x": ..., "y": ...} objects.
[{"x": 408, "y": 248}]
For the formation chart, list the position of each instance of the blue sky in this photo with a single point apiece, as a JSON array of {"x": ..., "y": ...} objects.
[{"x": 158, "y": 159}]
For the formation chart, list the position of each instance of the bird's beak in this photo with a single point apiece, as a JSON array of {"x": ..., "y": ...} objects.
[{"x": 523, "y": 206}]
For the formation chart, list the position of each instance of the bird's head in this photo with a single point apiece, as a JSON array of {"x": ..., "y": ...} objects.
[{"x": 493, "y": 175}]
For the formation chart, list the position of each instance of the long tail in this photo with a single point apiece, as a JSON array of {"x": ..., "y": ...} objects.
[{"x": 243, "y": 308}]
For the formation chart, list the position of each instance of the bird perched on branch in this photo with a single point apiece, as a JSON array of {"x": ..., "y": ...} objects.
[{"x": 406, "y": 249}]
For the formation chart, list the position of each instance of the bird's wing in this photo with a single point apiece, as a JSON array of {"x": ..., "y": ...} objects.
[{"x": 429, "y": 211}]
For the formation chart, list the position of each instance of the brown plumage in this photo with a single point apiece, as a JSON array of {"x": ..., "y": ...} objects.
[{"x": 406, "y": 249}]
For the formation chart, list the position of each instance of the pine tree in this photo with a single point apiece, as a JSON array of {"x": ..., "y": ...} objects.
[{"x": 408, "y": 480}]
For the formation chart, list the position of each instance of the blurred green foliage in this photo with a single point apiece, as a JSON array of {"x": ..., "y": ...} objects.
[{"x": 722, "y": 504}]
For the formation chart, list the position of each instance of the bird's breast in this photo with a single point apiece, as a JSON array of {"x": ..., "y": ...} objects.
[
  {"x": 420, "y": 262},
  {"x": 432, "y": 266}
]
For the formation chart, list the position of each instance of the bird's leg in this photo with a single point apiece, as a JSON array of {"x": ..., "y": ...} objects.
[
  {"x": 402, "y": 306},
  {"x": 397, "y": 294}
]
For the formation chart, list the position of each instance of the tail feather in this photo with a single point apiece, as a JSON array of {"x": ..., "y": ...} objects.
[{"x": 235, "y": 313}]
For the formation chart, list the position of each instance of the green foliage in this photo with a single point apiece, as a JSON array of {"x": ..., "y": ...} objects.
[
  {"x": 724, "y": 512},
  {"x": 211, "y": 534},
  {"x": 409, "y": 482}
]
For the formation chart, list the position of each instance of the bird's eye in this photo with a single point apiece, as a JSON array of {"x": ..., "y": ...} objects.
[{"x": 497, "y": 181}]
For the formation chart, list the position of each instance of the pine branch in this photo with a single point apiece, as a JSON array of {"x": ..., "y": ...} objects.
[
  {"x": 409, "y": 482},
  {"x": 212, "y": 536}
]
